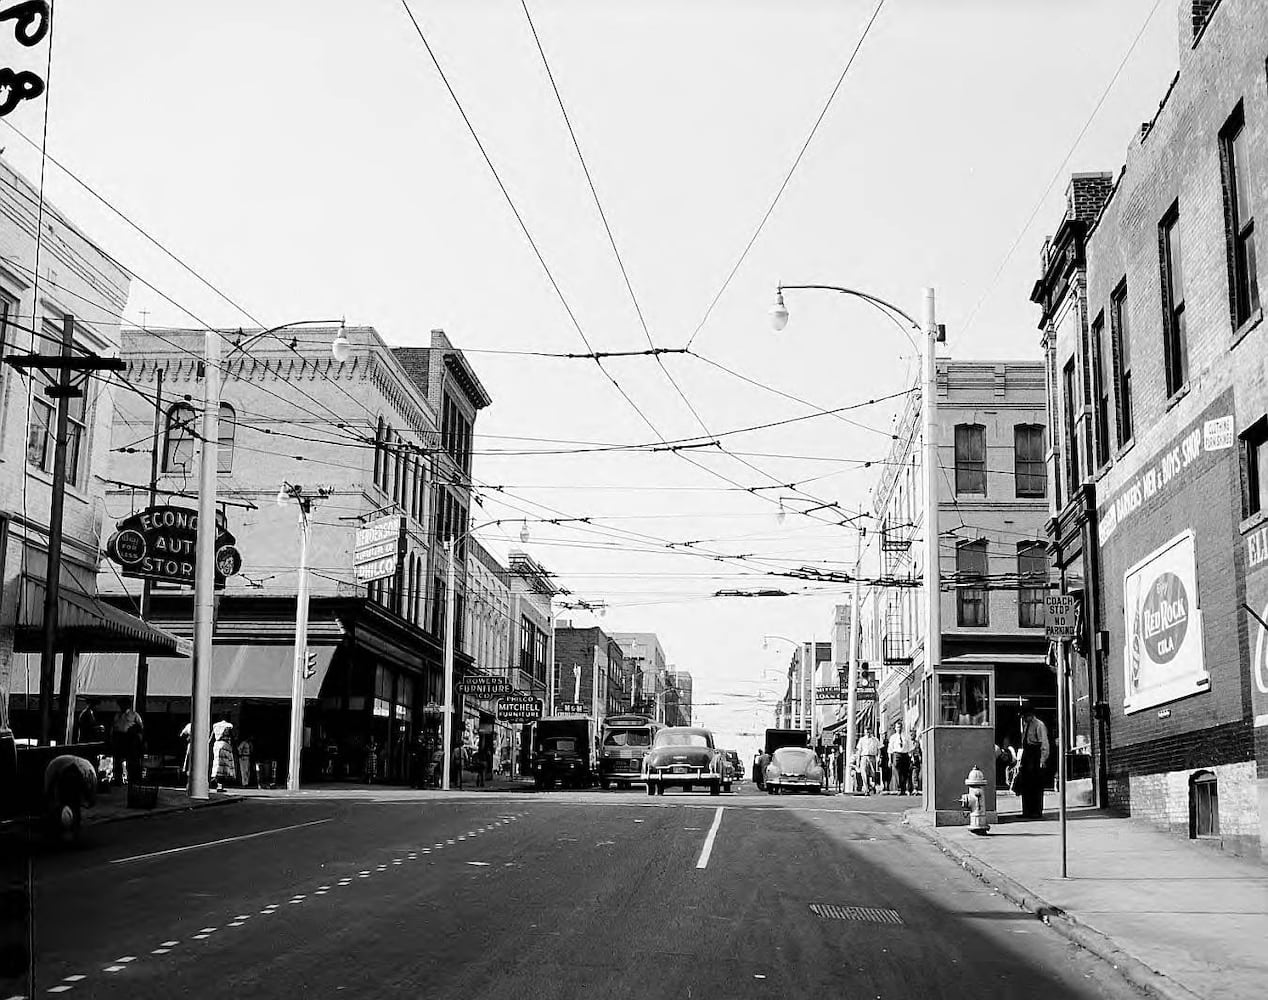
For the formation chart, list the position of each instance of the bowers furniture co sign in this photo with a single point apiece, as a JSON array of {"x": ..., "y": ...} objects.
[
  {"x": 1163, "y": 658},
  {"x": 160, "y": 543}
]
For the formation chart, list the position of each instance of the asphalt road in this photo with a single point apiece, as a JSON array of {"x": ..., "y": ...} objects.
[{"x": 491, "y": 895}]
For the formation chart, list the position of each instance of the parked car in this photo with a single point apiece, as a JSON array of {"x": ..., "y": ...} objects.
[
  {"x": 685, "y": 756},
  {"x": 737, "y": 768},
  {"x": 793, "y": 768}
]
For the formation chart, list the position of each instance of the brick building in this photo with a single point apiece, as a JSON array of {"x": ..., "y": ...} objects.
[
  {"x": 487, "y": 637},
  {"x": 1158, "y": 384},
  {"x": 992, "y": 504},
  {"x": 532, "y": 593},
  {"x": 366, "y": 432},
  {"x": 647, "y": 658},
  {"x": 76, "y": 278},
  {"x": 592, "y": 672},
  {"x": 678, "y": 707}
]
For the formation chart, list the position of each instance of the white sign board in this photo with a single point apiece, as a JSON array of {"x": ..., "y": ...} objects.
[
  {"x": 378, "y": 548},
  {"x": 1163, "y": 657},
  {"x": 1059, "y": 622}
]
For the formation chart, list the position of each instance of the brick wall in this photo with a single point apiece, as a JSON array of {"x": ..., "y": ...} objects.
[
  {"x": 1162, "y": 799},
  {"x": 1087, "y": 194}
]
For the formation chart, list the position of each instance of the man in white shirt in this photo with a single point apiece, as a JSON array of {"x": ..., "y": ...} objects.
[
  {"x": 899, "y": 748},
  {"x": 866, "y": 750}
]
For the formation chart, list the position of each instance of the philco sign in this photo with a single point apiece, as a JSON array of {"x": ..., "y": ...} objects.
[
  {"x": 378, "y": 548},
  {"x": 1163, "y": 658},
  {"x": 160, "y": 543}
]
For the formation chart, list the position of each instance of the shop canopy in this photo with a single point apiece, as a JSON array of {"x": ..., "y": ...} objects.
[
  {"x": 237, "y": 671},
  {"x": 86, "y": 624}
]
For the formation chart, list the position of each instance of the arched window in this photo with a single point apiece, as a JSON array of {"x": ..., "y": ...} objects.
[
  {"x": 228, "y": 431},
  {"x": 178, "y": 439},
  {"x": 1204, "y": 805}
]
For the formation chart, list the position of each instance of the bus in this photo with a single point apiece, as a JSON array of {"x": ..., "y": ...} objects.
[{"x": 625, "y": 739}]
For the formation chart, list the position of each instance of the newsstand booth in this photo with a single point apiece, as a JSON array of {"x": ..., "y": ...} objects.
[{"x": 959, "y": 734}]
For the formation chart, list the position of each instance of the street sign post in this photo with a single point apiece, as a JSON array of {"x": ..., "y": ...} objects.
[{"x": 1060, "y": 617}]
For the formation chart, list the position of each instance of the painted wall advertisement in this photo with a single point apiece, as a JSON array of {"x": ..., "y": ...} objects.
[
  {"x": 1163, "y": 657},
  {"x": 1257, "y": 603}
]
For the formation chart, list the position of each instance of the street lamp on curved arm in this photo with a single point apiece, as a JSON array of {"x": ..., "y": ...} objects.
[
  {"x": 933, "y": 334},
  {"x": 340, "y": 347}
]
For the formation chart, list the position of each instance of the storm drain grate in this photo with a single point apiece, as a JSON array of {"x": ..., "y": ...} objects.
[{"x": 866, "y": 914}]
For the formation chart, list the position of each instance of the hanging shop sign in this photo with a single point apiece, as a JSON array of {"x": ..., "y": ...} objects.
[
  {"x": 519, "y": 708},
  {"x": 1189, "y": 455},
  {"x": 828, "y": 695},
  {"x": 378, "y": 548},
  {"x": 1257, "y": 604},
  {"x": 1163, "y": 657},
  {"x": 160, "y": 543},
  {"x": 484, "y": 688},
  {"x": 573, "y": 708}
]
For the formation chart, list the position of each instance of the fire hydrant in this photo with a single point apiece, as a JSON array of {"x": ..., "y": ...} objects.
[{"x": 974, "y": 801}]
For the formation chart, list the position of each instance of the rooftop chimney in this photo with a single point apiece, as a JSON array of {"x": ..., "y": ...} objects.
[{"x": 1087, "y": 194}]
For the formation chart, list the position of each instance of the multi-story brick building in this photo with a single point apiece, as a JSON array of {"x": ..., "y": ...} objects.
[
  {"x": 992, "y": 503},
  {"x": 487, "y": 629},
  {"x": 680, "y": 704},
  {"x": 591, "y": 671},
  {"x": 1158, "y": 380},
  {"x": 533, "y": 590},
  {"x": 363, "y": 432}
]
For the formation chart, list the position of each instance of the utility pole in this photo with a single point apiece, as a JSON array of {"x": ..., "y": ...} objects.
[
  {"x": 63, "y": 391},
  {"x": 933, "y": 581},
  {"x": 142, "y": 660},
  {"x": 851, "y": 699},
  {"x": 205, "y": 578},
  {"x": 447, "y": 722},
  {"x": 305, "y": 504}
]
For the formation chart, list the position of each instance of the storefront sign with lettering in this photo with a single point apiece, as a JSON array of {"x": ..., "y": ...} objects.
[
  {"x": 1163, "y": 657},
  {"x": 1204, "y": 442},
  {"x": 1257, "y": 601},
  {"x": 159, "y": 543}
]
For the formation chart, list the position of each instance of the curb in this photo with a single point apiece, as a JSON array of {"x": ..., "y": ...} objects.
[
  {"x": 131, "y": 814},
  {"x": 1131, "y": 968}
]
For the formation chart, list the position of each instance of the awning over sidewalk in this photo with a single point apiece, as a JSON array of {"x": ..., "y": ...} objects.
[
  {"x": 237, "y": 671},
  {"x": 86, "y": 624}
]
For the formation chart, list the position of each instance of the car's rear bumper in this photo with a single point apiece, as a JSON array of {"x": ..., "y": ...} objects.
[
  {"x": 672, "y": 778},
  {"x": 793, "y": 783}
]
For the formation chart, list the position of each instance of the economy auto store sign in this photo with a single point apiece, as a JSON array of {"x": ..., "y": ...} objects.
[{"x": 160, "y": 543}]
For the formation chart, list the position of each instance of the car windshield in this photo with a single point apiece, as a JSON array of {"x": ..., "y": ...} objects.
[
  {"x": 628, "y": 738},
  {"x": 681, "y": 738},
  {"x": 560, "y": 744}
]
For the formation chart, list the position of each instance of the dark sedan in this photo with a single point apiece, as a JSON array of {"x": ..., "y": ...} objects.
[
  {"x": 793, "y": 768},
  {"x": 684, "y": 756}
]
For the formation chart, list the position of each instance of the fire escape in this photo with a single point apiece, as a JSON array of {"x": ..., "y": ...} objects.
[{"x": 896, "y": 639}]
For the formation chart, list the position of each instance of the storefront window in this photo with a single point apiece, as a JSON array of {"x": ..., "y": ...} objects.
[
  {"x": 964, "y": 699},
  {"x": 382, "y": 692}
]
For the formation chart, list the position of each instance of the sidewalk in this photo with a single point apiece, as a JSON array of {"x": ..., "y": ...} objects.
[
  {"x": 112, "y": 805},
  {"x": 1177, "y": 918}
]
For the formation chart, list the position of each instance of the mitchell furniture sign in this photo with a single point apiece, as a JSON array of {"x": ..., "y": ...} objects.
[{"x": 1163, "y": 656}]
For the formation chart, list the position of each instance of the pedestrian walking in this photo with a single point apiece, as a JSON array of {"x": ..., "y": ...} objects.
[
  {"x": 899, "y": 748},
  {"x": 1034, "y": 761},
  {"x": 841, "y": 770},
  {"x": 127, "y": 738},
  {"x": 763, "y": 762},
  {"x": 246, "y": 765},
  {"x": 187, "y": 737},
  {"x": 917, "y": 761},
  {"x": 224, "y": 765},
  {"x": 371, "y": 762},
  {"x": 867, "y": 752},
  {"x": 88, "y": 728},
  {"x": 456, "y": 760}
]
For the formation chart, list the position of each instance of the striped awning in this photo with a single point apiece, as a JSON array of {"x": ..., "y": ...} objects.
[{"x": 87, "y": 624}]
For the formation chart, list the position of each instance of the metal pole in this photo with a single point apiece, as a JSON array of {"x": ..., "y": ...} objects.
[
  {"x": 933, "y": 583},
  {"x": 551, "y": 667},
  {"x": 301, "y": 650},
  {"x": 1062, "y": 704},
  {"x": 851, "y": 699},
  {"x": 57, "y": 503},
  {"x": 205, "y": 579},
  {"x": 142, "y": 660},
  {"x": 447, "y": 724},
  {"x": 812, "y": 661}
]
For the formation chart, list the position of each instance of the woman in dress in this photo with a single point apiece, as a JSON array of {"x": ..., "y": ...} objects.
[{"x": 223, "y": 761}]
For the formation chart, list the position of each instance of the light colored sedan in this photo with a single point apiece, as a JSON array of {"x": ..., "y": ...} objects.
[{"x": 791, "y": 768}]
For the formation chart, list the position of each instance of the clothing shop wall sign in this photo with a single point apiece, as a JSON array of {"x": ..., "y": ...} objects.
[
  {"x": 1163, "y": 658},
  {"x": 1257, "y": 600},
  {"x": 1199, "y": 446},
  {"x": 160, "y": 543}
]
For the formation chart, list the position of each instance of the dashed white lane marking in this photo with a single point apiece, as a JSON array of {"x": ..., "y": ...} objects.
[
  {"x": 364, "y": 875},
  {"x": 709, "y": 838},
  {"x": 169, "y": 944},
  {"x": 243, "y": 916},
  {"x": 236, "y": 923},
  {"x": 450, "y": 841},
  {"x": 215, "y": 843},
  {"x": 478, "y": 864},
  {"x": 160, "y": 951},
  {"x": 126, "y": 959},
  {"x": 197, "y": 937},
  {"x": 320, "y": 892},
  {"x": 202, "y": 930},
  {"x": 54, "y": 989},
  {"x": 110, "y": 968},
  {"x": 74, "y": 979}
]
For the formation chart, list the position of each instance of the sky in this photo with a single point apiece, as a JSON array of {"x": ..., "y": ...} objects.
[{"x": 306, "y": 159}]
